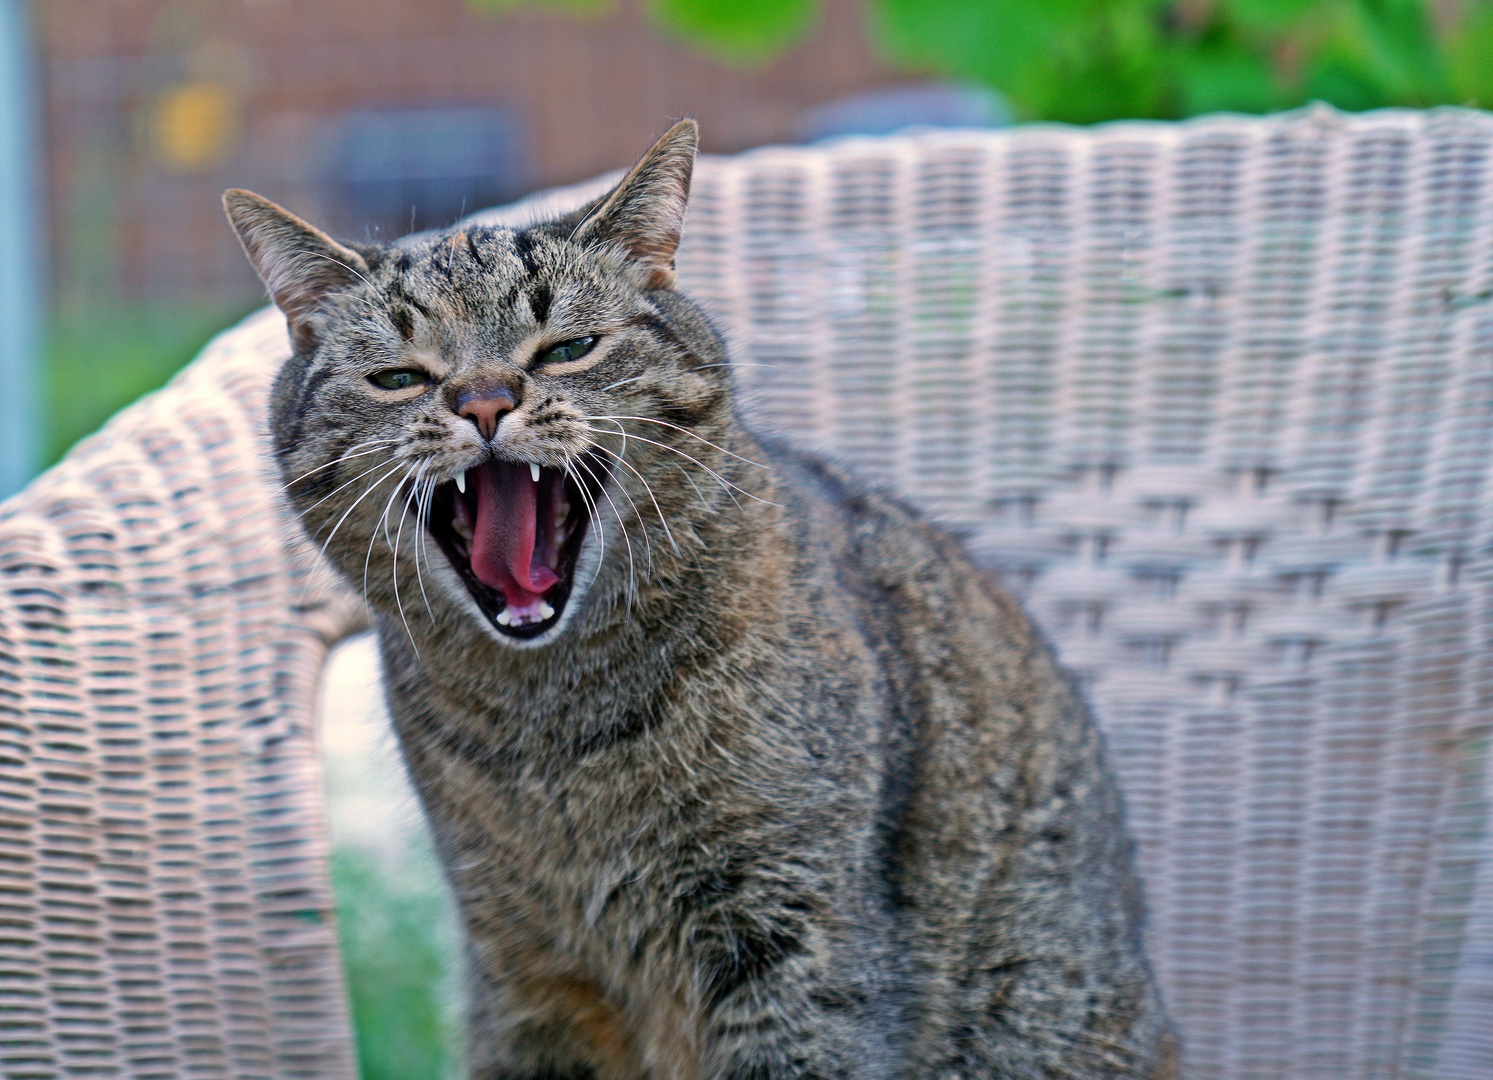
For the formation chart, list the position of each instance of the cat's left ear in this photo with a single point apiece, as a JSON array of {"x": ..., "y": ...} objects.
[
  {"x": 645, "y": 212},
  {"x": 299, "y": 264}
]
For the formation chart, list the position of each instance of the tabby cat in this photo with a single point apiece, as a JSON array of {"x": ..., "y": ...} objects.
[{"x": 739, "y": 770}]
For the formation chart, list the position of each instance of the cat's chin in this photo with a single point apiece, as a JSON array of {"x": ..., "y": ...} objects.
[{"x": 514, "y": 532}]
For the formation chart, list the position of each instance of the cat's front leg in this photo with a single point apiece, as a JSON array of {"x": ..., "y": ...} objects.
[{"x": 777, "y": 1006}]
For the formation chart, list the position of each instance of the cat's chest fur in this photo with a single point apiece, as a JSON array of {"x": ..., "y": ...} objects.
[
  {"x": 588, "y": 814},
  {"x": 759, "y": 695}
]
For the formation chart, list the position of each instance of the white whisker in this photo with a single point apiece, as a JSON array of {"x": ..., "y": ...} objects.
[
  {"x": 374, "y": 447},
  {"x": 736, "y": 363},
  {"x": 348, "y": 483},
  {"x": 649, "y": 489},
  {"x": 686, "y": 431},
  {"x": 623, "y": 382},
  {"x": 593, "y": 510},
  {"x": 345, "y": 514},
  {"x": 704, "y": 503},
  {"x": 647, "y": 540},
  {"x": 422, "y": 516},
  {"x": 621, "y": 525},
  {"x": 715, "y": 475},
  {"x": 383, "y": 521},
  {"x": 339, "y": 262},
  {"x": 371, "y": 487},
  {"x": 399, "y": 535}
]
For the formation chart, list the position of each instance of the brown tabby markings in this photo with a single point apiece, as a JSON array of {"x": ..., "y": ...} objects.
[{"x": 784, "y": 787}]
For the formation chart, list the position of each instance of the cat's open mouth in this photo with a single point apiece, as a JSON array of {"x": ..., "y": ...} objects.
[{"x": 514, "y": 530}]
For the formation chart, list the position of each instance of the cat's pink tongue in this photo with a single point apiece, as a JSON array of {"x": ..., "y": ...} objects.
[{"x": 503, "y": 537}]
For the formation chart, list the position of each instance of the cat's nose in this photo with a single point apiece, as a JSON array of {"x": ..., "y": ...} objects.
[{"x": 485, "y": 407}]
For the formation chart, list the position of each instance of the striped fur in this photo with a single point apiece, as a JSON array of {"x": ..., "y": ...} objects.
[{"x": 791, "y": 789}]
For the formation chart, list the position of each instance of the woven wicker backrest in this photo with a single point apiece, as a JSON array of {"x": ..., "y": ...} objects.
[
  {"x": 164, "y": 909},
  {"x": 1217, "y": 398}
]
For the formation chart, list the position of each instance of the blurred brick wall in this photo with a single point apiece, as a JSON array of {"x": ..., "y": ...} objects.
[{"x": 154, "y": 106}]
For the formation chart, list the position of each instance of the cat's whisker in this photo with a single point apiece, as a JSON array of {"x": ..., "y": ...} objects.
[
  {"x": 374, "y": 446},
  {"x": 367, "y": 559},
  {"x": 383, "y": 521},
  {"x": 346, "y": 513},
  {"x": 348, "y": 483},
  {"x": 424, "y": 491},
  {"x": 260, "y": 503},
  {"x": 367, "y": 303},
  {"x": 702, "y": 465},
  {"x": 399, "y": 535},
  {"x": 686, "y": 431},
  {"x": 737, "y": 363},
  {"x": 717, "y": 476},
  {"x": 637, "y": 513},
  {"x": 623, "y": 382},
  {"x": 322, "y": 553},
  {"x": 339, "y": 262},
  {"x": 704, "y": 503},
  {"x": 592, "y": 509},
  {"x": 621, "y": 525},
  {"x": 649, "y": 489}
]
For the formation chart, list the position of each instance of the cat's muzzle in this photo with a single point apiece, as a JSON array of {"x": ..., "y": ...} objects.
[{"x": 513, "y": 530}]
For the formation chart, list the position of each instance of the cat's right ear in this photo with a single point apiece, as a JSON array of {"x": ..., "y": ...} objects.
[
  {"x": 299, "y": 264},
  {"x": 644, "y": 214}
]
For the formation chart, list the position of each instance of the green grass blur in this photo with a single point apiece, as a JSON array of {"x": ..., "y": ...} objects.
[
  {"x": 101, "y": 358},
  {"x": 397, "y": 953}
]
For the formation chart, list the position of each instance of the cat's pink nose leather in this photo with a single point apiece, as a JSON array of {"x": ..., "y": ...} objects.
[{"x": 486, "y": 407}]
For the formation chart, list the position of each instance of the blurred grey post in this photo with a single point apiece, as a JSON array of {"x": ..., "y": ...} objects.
[{"x": 20, "y": 271}]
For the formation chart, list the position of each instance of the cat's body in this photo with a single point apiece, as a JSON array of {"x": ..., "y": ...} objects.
[{"x": 773, "y": 783}]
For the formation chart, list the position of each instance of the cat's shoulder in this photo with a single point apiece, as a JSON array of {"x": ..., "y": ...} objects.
[{"x": 889, "y": 538}]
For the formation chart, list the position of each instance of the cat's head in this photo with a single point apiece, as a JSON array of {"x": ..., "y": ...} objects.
[{"x": 491, "y": 425}]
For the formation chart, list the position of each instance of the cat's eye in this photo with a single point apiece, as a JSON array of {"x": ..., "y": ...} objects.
[
  {"x": 399, "y": 378},
  {"x": 566, "y": 351}
]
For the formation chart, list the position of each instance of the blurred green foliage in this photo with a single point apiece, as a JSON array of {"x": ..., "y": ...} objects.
[
  {"x": 1090, "y": 60},
  {"x": 397, "y": 953},
  {"x": 102, "y": 357},
  {"x": 751, "y": 32}
]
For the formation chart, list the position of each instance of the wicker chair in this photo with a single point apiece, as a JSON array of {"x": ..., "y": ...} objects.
[{"x": 1216, "y": 397}]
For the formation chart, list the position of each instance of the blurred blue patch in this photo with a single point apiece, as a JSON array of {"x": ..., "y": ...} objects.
[
  {"x": 406, "y": 170},
  {"x": 917, "y": 105}
]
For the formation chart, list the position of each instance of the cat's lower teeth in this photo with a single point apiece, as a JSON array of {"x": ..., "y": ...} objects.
[{"x": 504, "y": 618}]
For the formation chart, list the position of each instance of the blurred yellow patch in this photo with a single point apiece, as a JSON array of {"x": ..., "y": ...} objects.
[{"x": 193, "y": 126}]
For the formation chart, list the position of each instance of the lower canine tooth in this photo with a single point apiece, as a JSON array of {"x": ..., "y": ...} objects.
[
  {"x": 545, "y": 611},
  {"x": 504, "y": 619}
]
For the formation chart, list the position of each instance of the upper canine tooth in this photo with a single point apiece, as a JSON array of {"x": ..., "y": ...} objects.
[
  {"x": 534, "y": 471},
  {"x": 461, "y": 482}
]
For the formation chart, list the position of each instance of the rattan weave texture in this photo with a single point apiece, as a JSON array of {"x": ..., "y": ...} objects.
[
  {"x": 1217, "y": 398},
  {"x": 164, "y": 910}
]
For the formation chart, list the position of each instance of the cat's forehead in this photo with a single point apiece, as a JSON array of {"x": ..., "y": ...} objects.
[{"x": 485, "y": 274}]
